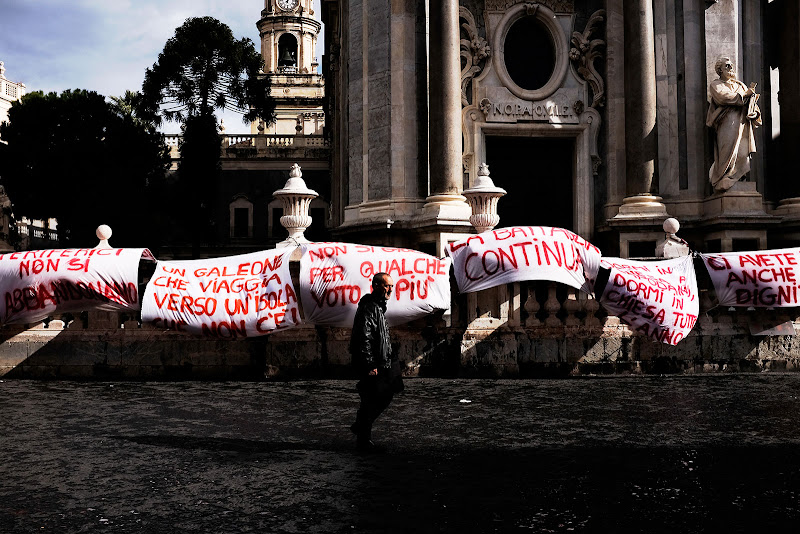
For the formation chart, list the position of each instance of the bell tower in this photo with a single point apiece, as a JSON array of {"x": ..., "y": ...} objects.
[{"x": 288, "y": 31}]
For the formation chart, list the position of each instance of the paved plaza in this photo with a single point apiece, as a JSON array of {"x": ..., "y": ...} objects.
[{"x": 645, "y": 454}]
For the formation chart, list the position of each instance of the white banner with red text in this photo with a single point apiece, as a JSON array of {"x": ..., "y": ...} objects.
[
  {"x": 657, "y": 299},
  {"x": 226, "y": 298},
  {"x": 334, "y": 277},
  {"x": 38, "y": 283},
  {"x": 506, "y": 255},
  {"x": 762, "y": 279}
]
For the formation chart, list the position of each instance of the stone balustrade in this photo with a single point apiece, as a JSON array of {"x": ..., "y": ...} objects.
[
  {"x": 233, "y": 144},
  {"x": 527, "y": 329}
]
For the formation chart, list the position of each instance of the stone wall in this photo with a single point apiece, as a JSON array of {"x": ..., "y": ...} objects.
[{"x": 520, "y": 330}]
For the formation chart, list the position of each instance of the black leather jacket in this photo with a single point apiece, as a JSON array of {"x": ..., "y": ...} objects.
[{"x": 370, "y": 344}]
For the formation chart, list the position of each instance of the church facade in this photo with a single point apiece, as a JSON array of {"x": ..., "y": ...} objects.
[{"x": 591, "y": 114}]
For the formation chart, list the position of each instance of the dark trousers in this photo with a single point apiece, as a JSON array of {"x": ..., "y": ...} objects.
[{"x": 376, "y": 394}]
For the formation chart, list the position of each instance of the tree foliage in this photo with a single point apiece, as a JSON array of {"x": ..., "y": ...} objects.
[
  {"x": 84, "y": 161},
  {"x": 204, "y": 68}
]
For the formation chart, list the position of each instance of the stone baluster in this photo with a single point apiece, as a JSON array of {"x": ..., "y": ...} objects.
[
  {"x": 727, "y": 318},
  {"x": 552, "y": 306},
  {"x": 532, "y": 307},
  {"x": 571, "y": 306},
  {"x": 296, "y": 199},
  {"x": 706, "y": 303},
  {"x": 591, "y": 307}
]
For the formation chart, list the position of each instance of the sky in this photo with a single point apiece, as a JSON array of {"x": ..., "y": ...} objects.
[{"x": 106, "y": 45}]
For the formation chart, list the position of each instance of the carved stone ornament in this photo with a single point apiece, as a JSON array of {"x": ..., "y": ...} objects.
[
  {"x": 583, "y": 53},
  {"x": 486, "y": 107},
  {"x": 556, "y": 6},
  {"x": 473, "y": 51}
]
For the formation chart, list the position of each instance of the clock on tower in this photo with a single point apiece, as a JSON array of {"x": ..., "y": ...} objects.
[{"x": 287, "y": 5}]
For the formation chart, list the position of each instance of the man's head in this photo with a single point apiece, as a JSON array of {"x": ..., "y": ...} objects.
[
  {"x": 725, "y": 68},
  {"x": 382, "y": 285}
]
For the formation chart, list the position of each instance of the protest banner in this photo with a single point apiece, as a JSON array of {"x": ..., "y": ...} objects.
[
  {"x": 657, "y": 299},
  {"x": 334, "y": 277},
  {"x": 227, "y": 298},
  {"x": 519, "y": 253},
  {"x": 40, "y": 283},
  {"x": 762, "y": 279}
]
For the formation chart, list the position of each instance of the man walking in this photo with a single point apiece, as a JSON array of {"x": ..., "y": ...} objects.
[{"x": 371, "y": 349}]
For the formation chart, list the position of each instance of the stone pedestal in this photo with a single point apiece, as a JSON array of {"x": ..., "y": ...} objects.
[
  {"x": 741, "y": 199},
  {"x": 727, "y": 239},
  {"x": 639, "y": 220},
  {"x": 639, "y": 235},
  {"x": 737, "y": 215}
]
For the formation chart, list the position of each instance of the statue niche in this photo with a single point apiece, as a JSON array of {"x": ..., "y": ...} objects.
[{"x": 733, "y": 113}]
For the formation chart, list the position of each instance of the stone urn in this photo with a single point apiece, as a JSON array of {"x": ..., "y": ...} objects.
[
  {"x": 296, "y": 198},
  {"x": 482, "y": 198}
]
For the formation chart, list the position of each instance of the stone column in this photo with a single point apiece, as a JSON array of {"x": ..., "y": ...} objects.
[
  {"x": 753, "y": 70},
  {"x": 789, "y": 100},
  {"x": 640, "y": 113},
  {"x": 446, "y": 174},
  {"x": 615, "y": 99},
  {"x": 696, "y": 97}
]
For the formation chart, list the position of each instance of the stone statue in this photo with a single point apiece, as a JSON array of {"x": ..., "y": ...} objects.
[{"x": 733, "y": 113}]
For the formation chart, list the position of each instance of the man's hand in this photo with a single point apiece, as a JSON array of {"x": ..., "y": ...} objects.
[{"x": 374, "y": 372}]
